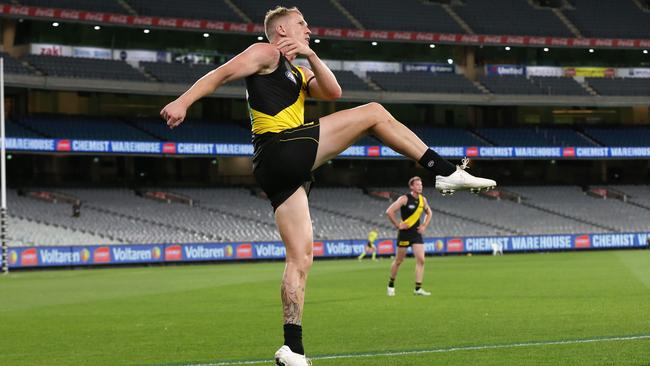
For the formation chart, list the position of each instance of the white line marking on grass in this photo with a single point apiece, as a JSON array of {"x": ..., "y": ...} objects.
[{"x": 437, "y": 350}]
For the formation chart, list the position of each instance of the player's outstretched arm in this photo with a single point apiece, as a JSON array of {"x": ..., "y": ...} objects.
[{"x": 256, "y": 58}]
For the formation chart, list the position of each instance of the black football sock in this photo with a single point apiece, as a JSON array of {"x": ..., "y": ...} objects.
[
  {"x": 434, "y": 163},
  {"x": 293, "y": 338}
]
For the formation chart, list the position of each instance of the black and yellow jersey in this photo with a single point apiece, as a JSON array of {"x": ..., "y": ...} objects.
[
  {"x": 276, "y": 101},
  {"x": 412, "y": 210}
]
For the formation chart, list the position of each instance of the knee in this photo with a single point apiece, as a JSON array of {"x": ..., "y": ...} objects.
[
  {"x": 377, "y": 110},
  {"x": 420, "y": 261},
  {"x": 398, "y": 262},
  {"x": 302, "y": 263}
]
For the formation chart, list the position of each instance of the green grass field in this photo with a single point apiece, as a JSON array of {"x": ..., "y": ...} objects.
[{"x": 588, "y": 308}]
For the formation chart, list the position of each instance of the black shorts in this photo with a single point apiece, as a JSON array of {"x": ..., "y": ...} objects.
[
  {"x": 370, "y": 245},
  {"x": 282, "y": 161},
  {"x": 406, "y": 238}
]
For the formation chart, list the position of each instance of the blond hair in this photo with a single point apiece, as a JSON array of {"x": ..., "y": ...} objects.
[
  {"x": 274, "y": 14},
  {"x": 413, "y": 180}
]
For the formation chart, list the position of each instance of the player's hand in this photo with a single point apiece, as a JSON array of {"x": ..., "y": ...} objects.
[
  {"x": 174, "y": 113},
  {"x": 422, "y": 229},
  {"x": 292, "y": 47},
  {"x": 403, "y": 226}
]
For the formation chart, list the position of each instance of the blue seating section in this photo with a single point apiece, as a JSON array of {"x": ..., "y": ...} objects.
[
  {"x": 628, "y": 136},
  {"x": 14, "y": 129},
  {"x": 197, "y": 131},
  {"x": 533, "y": 137},
  {"x": 443, "y": 136},
  {"x": 90, "y": 128}
]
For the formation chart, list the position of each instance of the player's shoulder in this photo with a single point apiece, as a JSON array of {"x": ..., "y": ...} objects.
[{"x": 264, "y": 49}]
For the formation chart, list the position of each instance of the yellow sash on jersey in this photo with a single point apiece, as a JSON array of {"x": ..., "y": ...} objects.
[{"x": 411, "y": 220}]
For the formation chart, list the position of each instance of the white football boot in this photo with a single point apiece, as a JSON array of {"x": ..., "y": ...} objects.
[
  {"x": 462, "y": 180},
  {"x": 285, "y": 357},
  {"x": 421, "y": 292},
  {"x": 390, "y": 291}
]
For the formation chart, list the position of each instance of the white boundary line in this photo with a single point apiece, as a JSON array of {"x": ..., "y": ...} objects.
[{"x": 438, "y": 350}]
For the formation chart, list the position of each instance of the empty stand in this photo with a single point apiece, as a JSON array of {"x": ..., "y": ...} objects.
[
  {"x": 193, "y": 9},
  {"x": 511, "y": 17},
  {"x": 629, "y": 136},
  {"x": 85, "y": 68},
  {"x": 85, "y": 128},
  {"x": 620, "y": 86},
  {"x": 510, "y": 84},
  {"x": 609, "y": 18},
  {"x": 197, "y": 131},
  {"x": 559, "y": 86},
  {"x": 406, "y": 15},
  {"x": 350, "y": 81},
  {"x": 534, "y": 137},
  {"x": 107, "y": 6},
  {"x": 316, "y": 13},
  {"x": 13, "y": 66},
  {"x": 423, "y": 82}
]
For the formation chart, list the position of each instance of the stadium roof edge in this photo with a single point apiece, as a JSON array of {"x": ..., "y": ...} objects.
[{"x": 202, "y": 25}]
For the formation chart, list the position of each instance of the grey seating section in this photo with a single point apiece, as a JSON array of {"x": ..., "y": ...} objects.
[
  {"x": 340, "y": 213},
  {"x": 106, "y": 6},
  {"x": 13, "y": 66},
  {"x": 629, "y": 136},
  {"x": 316, "y": 13},
  {"x": 510, "y": 84},
  {"x": 350, "y": 81},
  {"x": 620, "y": 86},
  {"x": 181, "y": 73},
  {"x": 164, "y": 220},
  {"x": 636, "y": 193},
  {"x": 609, "y": 18},
  {"x": 22, "y": 232},
  {"x": 85, "y": 68},
  {"x": 534, "y": 137},
  {"x": 86, "y": 128},
  {"x": 511, "y": 17},
  {"x": 423, "y": 82},
  {"x": 503, "y": 214},
  {"x": 234, "y": 214},
  {"x": 197, "y": 131},
  {"x": 391, "y": 15},
  {"x": 193, "y": 9},
  {"x": 571, "y": 200},
  {"x": 248, "y": 217},
  {"x": 559, "y": 86}
]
